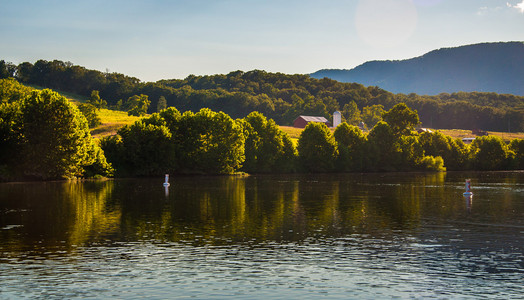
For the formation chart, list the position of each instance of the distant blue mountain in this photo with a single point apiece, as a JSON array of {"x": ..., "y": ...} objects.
[{"x": 486, "y": 67}]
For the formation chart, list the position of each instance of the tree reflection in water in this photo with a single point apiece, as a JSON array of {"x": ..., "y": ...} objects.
[{"x": 223, "y": 210}]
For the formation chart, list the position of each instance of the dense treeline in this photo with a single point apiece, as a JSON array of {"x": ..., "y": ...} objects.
[
  {"x": 205, "y": 142},
  {"x": 278, "y": 96},
  {"x": 44, "y": 136},
  {"x": 210, "y": 142}
]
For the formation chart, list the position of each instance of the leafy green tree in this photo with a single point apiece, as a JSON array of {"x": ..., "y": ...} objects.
[
  {"x": 171, "y": 118},
  {"x": 96, "y": 101},
  {"x": 517, "y": 146},
  {"x": 351, "y": 145},
  {"x": 147, "y": 148},
  {"x": 56, "y": 140},
  {"x": 264, "y": 144},
  {"x": 98, "y": 165},
  {"x": 205, "y": 142},
  {"x": 295, "y": 108},
  {"x": 11, "y": 90},
  {"x": 23, "y": 72},
  {"x": 331, "y": 105},
  {"x": 89, "y": 112},
  {"x": 10, "y": 138},
  {"x": 119, "y": 105},
  {"x": 317, "y": 148},
  {"x": 287, "y": 162},
  {"x": 412, "y": 153},
  {"x": 7, "y": 69},
  {"x": 489, "y": 153},
  {"x": 209, "y": 142},
  {"x": 401, "y": 119},
  {"x": 458, "y": 158},
  {"x": 138, "y": 105},
  {"x": 315, "y": 107},
  {"x": 114, "y": 152},
  {"x": 162, "y": 104},
  {"x": 453, "y": 152},
  {"x": 351, "y": 113},
  {"x": 371, "y": 115},
  {"x": 384, "y": 150},
  {"x": 11, "y": 135},
  {"x": 431, "y": 163}
]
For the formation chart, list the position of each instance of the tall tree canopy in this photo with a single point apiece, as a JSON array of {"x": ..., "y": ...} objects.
[
  {"x": 317, "y": 148},
  {"x": 52, "y": 139},
  {"x": 401, "y": 119},
  {"x": 266, "y": 147},
  {"x": 351, "y": 144},
  {"x": 210, "y": 142}
]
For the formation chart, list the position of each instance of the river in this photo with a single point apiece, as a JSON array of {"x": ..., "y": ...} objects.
[{"x": 266, "y": 236}]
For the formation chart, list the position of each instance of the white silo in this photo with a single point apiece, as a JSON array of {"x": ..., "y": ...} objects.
[{"x": 337, "y": 119}]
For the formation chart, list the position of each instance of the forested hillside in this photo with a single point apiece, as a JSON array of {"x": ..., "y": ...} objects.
[
  {"x": 44, "y": 136},
  {"x": 487, "y": 67},
  {"x": 278, "y": 96}
]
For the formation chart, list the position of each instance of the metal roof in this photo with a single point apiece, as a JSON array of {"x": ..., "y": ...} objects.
[{"x": 314, "y": 119}]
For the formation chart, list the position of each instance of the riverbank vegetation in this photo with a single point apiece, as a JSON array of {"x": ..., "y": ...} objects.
[
  {"x": 44, "y": 136},
  {"x": 210, "y": 142}
]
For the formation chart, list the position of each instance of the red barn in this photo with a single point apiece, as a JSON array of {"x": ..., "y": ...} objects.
[{"x": 302, "y": 121}]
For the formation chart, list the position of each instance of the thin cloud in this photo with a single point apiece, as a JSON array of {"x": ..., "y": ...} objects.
[
  {"x": 518, "y": 6},
  {"x": 484, "y": 10}
]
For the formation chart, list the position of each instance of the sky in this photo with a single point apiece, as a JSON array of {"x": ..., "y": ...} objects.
[{"x": 168, "y": 39}]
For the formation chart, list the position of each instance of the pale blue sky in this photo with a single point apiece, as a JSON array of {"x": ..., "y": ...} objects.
[{"x": 164, "y": 39}]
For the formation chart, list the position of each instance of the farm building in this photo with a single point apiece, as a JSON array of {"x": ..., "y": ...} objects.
[
  {"x": 302, "y": 121},
  {"x": 421, "y": 130},
  {"x": 468, "y": 140}
]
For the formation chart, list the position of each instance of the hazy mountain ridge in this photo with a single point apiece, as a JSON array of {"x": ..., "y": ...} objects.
[{"x": 486, "y": 67}]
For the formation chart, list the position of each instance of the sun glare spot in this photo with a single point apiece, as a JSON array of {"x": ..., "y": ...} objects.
[{"x": 386, "y": 23}]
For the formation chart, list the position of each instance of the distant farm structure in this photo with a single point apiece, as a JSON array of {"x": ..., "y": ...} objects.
[{"x": 302, "y": 121}]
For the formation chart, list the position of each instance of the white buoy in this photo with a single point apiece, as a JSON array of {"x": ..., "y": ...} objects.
[
  {"x": 468, "y": 188},
  {"x": 166, "y": 183}
]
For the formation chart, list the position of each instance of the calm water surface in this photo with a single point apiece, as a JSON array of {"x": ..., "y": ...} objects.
[{"x": 286, "y": 236}]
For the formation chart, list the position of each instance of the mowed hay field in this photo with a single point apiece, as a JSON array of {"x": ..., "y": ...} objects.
[
  {"x": 460, "y": 133},
  {"x": 294, "y": 133},
  {"x": 112, "y": 120}
]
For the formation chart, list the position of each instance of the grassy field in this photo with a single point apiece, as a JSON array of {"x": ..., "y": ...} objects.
[
  {"x": 460, "y": 133},
  {"x": 112, "y": 120},
  {"x": 294, "y": 133}
]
